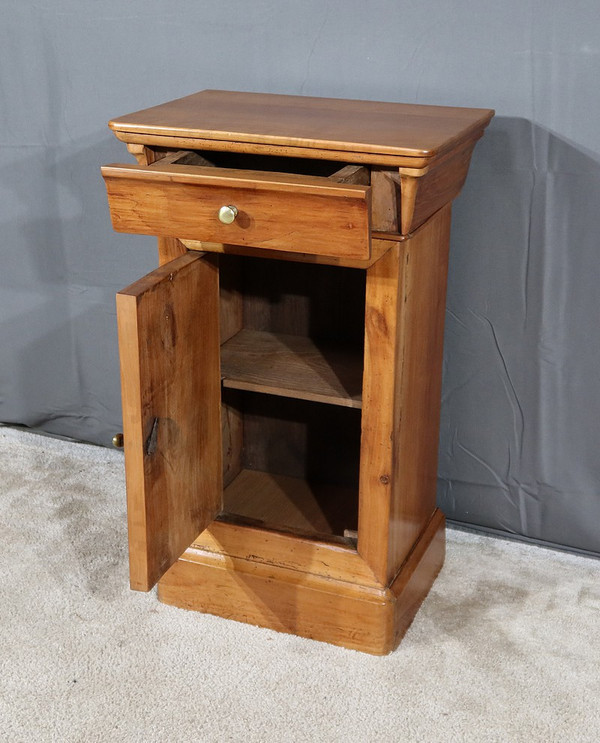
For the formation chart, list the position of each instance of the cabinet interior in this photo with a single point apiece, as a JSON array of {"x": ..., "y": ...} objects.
[{"x": 292, "y": 345}]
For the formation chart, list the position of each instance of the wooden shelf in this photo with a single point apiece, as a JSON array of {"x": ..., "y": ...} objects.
[
  {"x": 292, "y": 366},
  {"x": 291, "y": 504}
]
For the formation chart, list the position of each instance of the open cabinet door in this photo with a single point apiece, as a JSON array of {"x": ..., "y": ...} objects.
[{"x": 169, "y": 348}]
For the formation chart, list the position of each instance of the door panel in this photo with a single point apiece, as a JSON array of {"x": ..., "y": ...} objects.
[{"x": 169, "y": 349}]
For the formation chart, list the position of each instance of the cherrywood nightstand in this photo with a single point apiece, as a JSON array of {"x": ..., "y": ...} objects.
[{"x": 281, "y": 369}]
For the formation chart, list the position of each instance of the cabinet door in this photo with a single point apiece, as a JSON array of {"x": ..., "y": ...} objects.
[{"x": 169, "y": 349}]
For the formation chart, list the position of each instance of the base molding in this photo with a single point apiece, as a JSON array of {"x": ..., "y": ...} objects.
[{"x": 337, "y": 611}]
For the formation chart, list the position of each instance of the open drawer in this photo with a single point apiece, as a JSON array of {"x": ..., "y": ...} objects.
[{"x": 270, "y": 210}]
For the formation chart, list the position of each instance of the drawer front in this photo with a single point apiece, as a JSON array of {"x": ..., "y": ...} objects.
[{"x": 294, "y": 213}]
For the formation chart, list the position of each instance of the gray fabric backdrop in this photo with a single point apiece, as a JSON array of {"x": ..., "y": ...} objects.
[{"x": 520, "y": 420}]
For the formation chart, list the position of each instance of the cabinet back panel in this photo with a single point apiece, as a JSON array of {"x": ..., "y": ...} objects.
[
  {"x": 312, "y": 441},
  {"x": 323, "y": 302}
]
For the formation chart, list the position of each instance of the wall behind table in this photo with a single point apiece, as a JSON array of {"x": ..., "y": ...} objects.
[{"x": 520, "y": 420}]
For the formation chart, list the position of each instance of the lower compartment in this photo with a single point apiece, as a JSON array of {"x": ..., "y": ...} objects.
[{"x": 290, "y": 465}]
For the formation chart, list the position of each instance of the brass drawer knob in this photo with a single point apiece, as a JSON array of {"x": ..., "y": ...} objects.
[
  {"x": 227, "y": 214},
  {"x": 117, "y": 440}
]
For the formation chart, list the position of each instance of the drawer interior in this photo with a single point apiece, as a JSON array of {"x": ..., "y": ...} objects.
[{"x": 336, "y": 171}]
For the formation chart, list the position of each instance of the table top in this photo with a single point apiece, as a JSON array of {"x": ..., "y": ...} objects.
[{"x": 329, "y": 124}]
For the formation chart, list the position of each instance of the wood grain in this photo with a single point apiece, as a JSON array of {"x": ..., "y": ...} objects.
[
  {"x": 284, "y": 600},
  {"x": 231, "y": 297},
  {"x": 290, "y": 503},
  {"x": 352, "y": 174},
  {"x": 379, "y": 245},
  {"x": 425, "y": 195},
  {"x": 418, "y": 395},
  {"x": 231, "y": 316},
  {"x": 299, "y": 121},
  {"x": 171, "y": 415},
  {"x": 179, "y": 157},
  {"x": 308, "y": 440},
  {"x": 325, "y": 303},
  {"x": 324, "y": 592},
  {"x": 406, "y": 294},
  {"x": 169, "y": 248},
  {"x": 142, "y": 154},
  {"x": 381, "y": 368},
  {"x": 281, "y": 212},
  {"x": 292, "y": 366},
  {"x": 269, "y": 150},
  {"x": 232, "y": 434},
  {"x": 302, "y": 465},
  {"x": 417, "y": 574},
  {"x": 329, "y": 559}
]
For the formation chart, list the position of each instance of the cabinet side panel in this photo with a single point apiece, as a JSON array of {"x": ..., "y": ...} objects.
[
  {"x": 405, "y": 305},
  {"x": 171, "y": 411},
  {"x": 377, "y": 485},
  {"x": 418, "y": 394}
]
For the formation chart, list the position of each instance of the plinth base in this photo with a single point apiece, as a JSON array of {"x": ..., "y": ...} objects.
[{"x": 370, "y": 618}]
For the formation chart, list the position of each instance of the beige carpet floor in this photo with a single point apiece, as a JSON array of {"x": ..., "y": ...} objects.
[{"x": 505, "y": 648}]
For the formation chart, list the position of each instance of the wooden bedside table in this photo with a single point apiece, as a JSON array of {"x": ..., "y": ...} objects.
[{"x": 281, "y": 369}]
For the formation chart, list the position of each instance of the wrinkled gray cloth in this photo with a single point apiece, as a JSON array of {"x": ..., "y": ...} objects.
[{"x": 520, "y": 417}]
